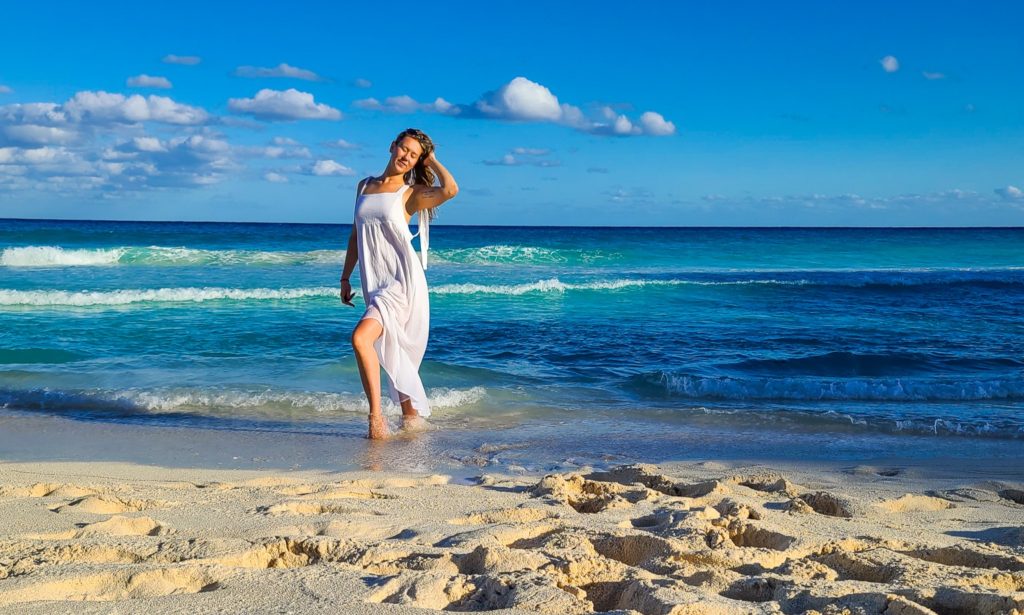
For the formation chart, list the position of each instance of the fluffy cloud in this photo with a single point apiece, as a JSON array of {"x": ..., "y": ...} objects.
[
  {"x": 88, "y": 113},
  {"x": 1010, "y": 193},
  {"x": 185, "y": 60},
  {"x": 406, "y": 104},
  {"x": 328, "y": 168},
  {"x": 281, "y": 70},
  {"x": 289, "y": 104},
  {"x": 362, "y": 83},
  {"x": 5, "y": 89},
  {"x": 890, "y": 64},
  {"x": 654, "y": 124},
  {"x": 34, "y": 134},
  {"x": 146, "y": 81},
  {"x": 96, "y": 142},
  {"x": 139, "y": 163},
  {"x": 930, "y": 76},
  {"x": 522, "y": 100},
  {"x": 104, "y": 107},
  {"x": 275, "y": 178}
]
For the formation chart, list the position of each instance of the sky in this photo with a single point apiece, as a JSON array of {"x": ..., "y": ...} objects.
[{"x": 646, "y": 114}]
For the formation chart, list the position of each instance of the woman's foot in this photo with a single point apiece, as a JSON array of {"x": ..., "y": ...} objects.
[
  {"x": 378, "y": 427},
  {"x": 414, "y": 422}
]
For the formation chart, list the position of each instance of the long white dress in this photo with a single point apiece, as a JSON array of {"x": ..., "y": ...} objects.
[{"x": 394, "y": 291}]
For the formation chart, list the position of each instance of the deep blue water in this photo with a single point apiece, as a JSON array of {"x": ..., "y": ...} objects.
[{"x": 872, "y": 332}]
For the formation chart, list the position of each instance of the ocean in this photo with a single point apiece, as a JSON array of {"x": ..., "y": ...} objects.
[{"x": 548, "y": 345}]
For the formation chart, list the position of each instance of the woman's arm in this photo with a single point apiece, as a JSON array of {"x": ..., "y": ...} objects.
[
  {"x": 427, "y": 197},
  {"x": 351, "y": 258}
]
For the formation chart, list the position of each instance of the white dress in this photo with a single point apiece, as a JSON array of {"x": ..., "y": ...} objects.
[{"x": 395, "y": 291}]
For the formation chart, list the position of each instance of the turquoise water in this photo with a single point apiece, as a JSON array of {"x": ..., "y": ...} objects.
[{"x": 775, "y": 336}]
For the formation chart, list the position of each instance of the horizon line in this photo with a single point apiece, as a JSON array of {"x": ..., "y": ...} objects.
[{"x": 533, "y": 226}]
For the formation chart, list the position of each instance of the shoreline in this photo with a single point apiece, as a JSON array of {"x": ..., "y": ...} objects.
[
  {"x": 687, "y": 537},
  {"x": 527, "y": 448}
]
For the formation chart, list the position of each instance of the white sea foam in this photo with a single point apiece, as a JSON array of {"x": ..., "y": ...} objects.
[
  {"x": 265, "y": 402},
  {"x": 500, "y": 254},
  {"x": 55, "y": 298},
  {"x": 53, "y": 256},
  {"x": 56, "y": 256},
  {"x": 547, "y": 286},
  {"x": 840, "y": 389}
]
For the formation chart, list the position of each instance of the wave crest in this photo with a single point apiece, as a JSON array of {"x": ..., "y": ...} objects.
[
  {"x": 269, "y": 403},
  {"x": 55, "y": 256},
  {"x": 692, "y": 386}
]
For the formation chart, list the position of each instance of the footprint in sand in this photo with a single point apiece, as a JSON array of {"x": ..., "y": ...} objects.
[
  {"x": 108, "y": 505},
  {"x": 117, "y": 585},
  {"x": 915, "y": 503},
  {"x": 504, "y": 515},
  {"x": 307, "y": 508},
  {"x": 114, "y": 526},
  {"x": 42, "y": 490}
]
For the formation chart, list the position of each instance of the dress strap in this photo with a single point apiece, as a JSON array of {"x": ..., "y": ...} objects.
[
  {"x": 362, "y": 185},
  {"x": 423, "y": 230}
]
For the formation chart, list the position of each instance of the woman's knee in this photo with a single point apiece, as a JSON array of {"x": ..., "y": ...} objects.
[{"x": 365, "y": 334}]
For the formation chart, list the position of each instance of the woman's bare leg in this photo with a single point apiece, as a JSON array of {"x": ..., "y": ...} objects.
[{"x": 363, "y": 337}]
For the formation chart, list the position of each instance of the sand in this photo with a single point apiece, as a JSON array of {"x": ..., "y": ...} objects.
[{"x": 100, "y": 537}]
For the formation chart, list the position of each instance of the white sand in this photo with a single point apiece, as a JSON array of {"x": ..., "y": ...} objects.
[{"x": 686, "y": 538}]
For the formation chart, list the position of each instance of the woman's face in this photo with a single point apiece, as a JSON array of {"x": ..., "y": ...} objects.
[{"x": 405, "y": 153}]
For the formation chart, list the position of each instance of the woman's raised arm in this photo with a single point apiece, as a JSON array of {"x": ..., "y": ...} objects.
[{"x": 427, "y": 197}]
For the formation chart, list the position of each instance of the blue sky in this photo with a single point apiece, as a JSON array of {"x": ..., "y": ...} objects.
[{"x": 744, "y": 113}]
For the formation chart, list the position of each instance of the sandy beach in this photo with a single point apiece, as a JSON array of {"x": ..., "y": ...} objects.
[{"x": 102, "y": 537}]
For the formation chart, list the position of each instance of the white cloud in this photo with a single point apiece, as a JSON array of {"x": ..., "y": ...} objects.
[
  {"x": 1010, "y": 193},
  {"x": 523, "y": 100},
  {"x": 148, "y": 144},
  {"x": 281, "y": 70},
  {"x": 146, "y": 81},
  {"x": 406, "y": 104},
  {"x": 5, "y": 89},
  {"x": 342, "y": 144},
  {"x": 34, "y": 134},
  {"x": 275, "y": 178},
  {"x": 890, "y": 64},
  {"x": 137, "y": 164},
  {"x": 533, "y": 158},
  {"x": 325, "y": 168},
  {"x": 285, "y": 141},
  {"x": 290, "y": 104},
  {"x": 654, "y": 124},
  {"x": 274, "y": 151},
  {"x": 186, "y": 60},
  {"x": 101, "y": 107},
  {"x": 362, "y": 83},
  {"x": 932, "y": 76}
]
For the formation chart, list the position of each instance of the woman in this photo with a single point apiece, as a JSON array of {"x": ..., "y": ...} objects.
[{"x": 393, "y": 331}]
